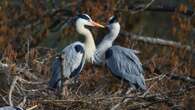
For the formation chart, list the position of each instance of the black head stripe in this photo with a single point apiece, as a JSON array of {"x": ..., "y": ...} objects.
[
  {"x": 113, "y": 20},
  {"x": 84, "y": 16}
]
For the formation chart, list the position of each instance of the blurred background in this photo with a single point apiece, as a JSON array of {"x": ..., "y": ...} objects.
[{"x": 32, "y": 32}]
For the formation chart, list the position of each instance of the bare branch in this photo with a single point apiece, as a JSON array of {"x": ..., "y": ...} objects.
[
  {"x": 33, "y": 107},
  {"x": 157, "y": 8},
  {"x": 23, "y": 102},
  {"x": 188, "y": 79},
  {"x": 30, "y": 82},
  {"x": 3, "y": 98},
  {"x": 12, "y": 89},
  {"x": 158, "y": 41},
  {"x": 142, "y": 8}
]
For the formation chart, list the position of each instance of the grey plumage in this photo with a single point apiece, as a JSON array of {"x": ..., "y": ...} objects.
[
  {"x": 72, "y": 58},
  {"x": 70, "y": 62},
  {"x": 122, "y": 62},
  {"x": 10, "y": 108},
  {"x": 55, "y": 81}
]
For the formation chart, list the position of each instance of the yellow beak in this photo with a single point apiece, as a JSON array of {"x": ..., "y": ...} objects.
[{"x": 97, "y": 24}]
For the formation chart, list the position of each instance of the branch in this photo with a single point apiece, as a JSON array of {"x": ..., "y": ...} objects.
[
  {"x": 33, "y": 107},
  {"x": 30, "y": 82},
  {"x": 157, "y": 98},
  {"x": 142, "y": 8},
  {"x": 158, "y": 41},
  {"x": 4, "y": 99},
  {"x": 12, "y": 89},
  {"x": 159, "y": 8},
  {"x": 23, "y": 102},
  {"x": 171, "y": 75},
  {"x": 26, "y": 73},
  {"x": 188, "y": 79}
]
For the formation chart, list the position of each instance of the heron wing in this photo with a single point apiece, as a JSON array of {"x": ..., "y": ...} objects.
[
  {"x": 56, "y": 73},
  {"x": 79, "y": 68},
  {"x": 125, "y": 64},
  {"x": 73, "y": 61}
]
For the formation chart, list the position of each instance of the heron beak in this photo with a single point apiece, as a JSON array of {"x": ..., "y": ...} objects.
[{"x": 97, "y": 24}]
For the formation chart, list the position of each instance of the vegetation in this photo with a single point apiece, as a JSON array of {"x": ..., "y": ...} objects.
[{"x": 32, "y": 32}]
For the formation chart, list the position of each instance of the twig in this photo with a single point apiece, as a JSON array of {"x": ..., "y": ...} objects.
[
  {"x": 141, "y": 106},
  {"x": 115, "y": 107},
  {"x": 68, "y": 100},
  {"x": 173, "y": 76},
  {"x": 23, "y": 102},
  {"x": 27, "y": 74},
  {"x": 153, "y": 78},
  {"x": 30, "y": 82},
  {"x": 157, "y": 8},
  {"x": 33, "y": 107},
  {"x": 142, "y": 8},
  {"x": 4, "y": 99},
  {"x": 12, "y": 89},
  {"x": 167, "y": 8}
]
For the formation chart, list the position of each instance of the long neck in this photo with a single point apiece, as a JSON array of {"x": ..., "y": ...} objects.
[
  {"x": 89, "y": 43},
  {"x": 104, "y": 45},
  {"x": 108, "y": 39},
  {"x": 111, "y": 36}
]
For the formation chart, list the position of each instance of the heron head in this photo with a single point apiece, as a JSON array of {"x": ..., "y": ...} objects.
[
  {"x": 84, "y": 19},
  {"x": 113, "y": 24}
]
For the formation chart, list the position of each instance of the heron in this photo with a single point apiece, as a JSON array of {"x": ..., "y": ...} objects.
[
  {"x": 72, "y": 58},
  {"x": 121, "y": 61}
]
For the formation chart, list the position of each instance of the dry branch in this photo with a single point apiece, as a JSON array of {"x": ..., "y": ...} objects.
[
  {"x": 188, "y": 79},
  {"x": 12, "y": 89},
  {"x": 33, "y": 107},
  {"x": 158, "y": 98},
  {"x": 159, "y": 8},
  {"x": 30, "y": 82},
  {"x": 141, "y": 8},
  {"x": 158, "y": 41},
  {"x": 141, "y": 101},
  {"x": 23, "y": 102},
  {"x": 4, "y": 99}
]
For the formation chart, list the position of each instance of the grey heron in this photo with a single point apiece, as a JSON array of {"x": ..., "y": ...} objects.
[
  {"x": 122, "y": 62},
  {"x": 72, "y": 58}
]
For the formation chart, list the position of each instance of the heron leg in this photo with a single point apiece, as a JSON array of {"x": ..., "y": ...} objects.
[{"x": 64, "y": 89}]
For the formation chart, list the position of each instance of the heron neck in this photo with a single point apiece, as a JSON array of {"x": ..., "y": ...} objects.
[
  {"x": 111, "y": 37},
  {"x": 89, "y": 43}
]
